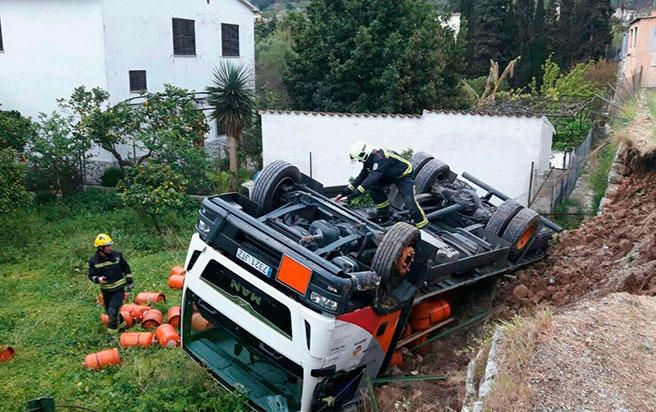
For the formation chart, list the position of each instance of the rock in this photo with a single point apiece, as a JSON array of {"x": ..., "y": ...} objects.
[
  {"x": 614, "y": 177},
  {"x": 558, "y": 296},
  {"x": 626, "y": 245},
  {"x": 521, "y": 291},
  {"x": 622, "y": 169}
]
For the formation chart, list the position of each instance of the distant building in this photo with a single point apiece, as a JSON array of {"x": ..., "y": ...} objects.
[
  {"x": 639, "y": 51},
  {"x": 49, "y": 47},
  {"x": 454, "y": 23}
]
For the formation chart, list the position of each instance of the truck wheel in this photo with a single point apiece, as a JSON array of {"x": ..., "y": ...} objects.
[
  {"x": 520, "y": 231},
  {"x": 502, "y": 217},
  {"x": 266, "y": 191},
  {"x": 434, "y": 171},
  {"x": 419, "y": 160},
  {"x": 395, "y": 255}
]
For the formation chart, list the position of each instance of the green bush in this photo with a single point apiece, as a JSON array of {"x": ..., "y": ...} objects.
[
  {"x": 152, "y": 190},
  {"x": 12, "y": 190},
  {"x": 15, "y": 130},
  {"x": 112, "y": 176}
]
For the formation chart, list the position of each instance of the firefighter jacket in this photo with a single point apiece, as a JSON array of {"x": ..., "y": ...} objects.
[
  {"x": 382, "y": 168},
  {"x": 113, "y": 267}
]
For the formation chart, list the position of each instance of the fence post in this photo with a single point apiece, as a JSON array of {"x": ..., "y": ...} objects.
[{"x": 530, "y": 185}]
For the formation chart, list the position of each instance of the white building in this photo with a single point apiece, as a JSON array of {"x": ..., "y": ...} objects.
[
  {"x": 501, "y": 150},
  {"x": 49, "y": 47}
]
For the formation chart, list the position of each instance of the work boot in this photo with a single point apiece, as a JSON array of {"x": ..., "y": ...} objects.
[
  {"x": 380, "y": 216},
  {"x": 122, "y": 327}
]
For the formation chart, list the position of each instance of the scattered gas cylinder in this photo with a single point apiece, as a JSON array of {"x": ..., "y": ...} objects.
[
  {"x": 167, "y": 336},
  {"x": 102, "y": 359},
  {"x": 176, "y": 281},
  {"x": 173, "y": 316},
  {"x": 177, "y": 270},
  {"x": 136, "y": 339},
  {"x": 151, "y": 319},
  {"x": 145, "y": 298}
]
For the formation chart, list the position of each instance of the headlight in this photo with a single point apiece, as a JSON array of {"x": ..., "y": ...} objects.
[
  {"x": 324, "y": 302},
  {"x": 203, "y": 227}
]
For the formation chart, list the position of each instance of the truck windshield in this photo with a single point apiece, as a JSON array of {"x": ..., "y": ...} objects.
[{"x": 239, "y": 360}]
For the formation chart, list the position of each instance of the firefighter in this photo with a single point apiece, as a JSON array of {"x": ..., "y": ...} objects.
[
  {"x": 111, "y": 271},
  {"x": 381, "y": 168}
]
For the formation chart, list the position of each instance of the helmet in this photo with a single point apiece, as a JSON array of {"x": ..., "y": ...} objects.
[
  {"x": 103, "y": 239},
  {"x": 360, "y": 151}
]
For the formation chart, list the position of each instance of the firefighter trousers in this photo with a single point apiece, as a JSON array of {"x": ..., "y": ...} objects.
[
  {"x": 113, "y": 301},
  {"x": 406, "y": 188}
]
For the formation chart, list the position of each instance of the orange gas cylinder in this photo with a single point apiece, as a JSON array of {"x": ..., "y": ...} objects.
[
  {"x": 7, "y": 354},
  {"x": 167, "y": 336},
  {"x": 101, "y": 359},
  {"x": 199, "y": 323},
  {"x": 173, "y": 316},
  {"x": 133, "y": 339},
  {"x": 177, "y": 270},
  {"x": 420, "y": 316},
  {"x": 151, "y": 319},
  {"x": 440, "y": 310},
  {"x": 176, "y": 281},
  {"x": 136, "y": 311},
  {"x": 406, "y": 332},
  {"x": 396, "y": 359},
  {"x": 144, "y": 298},
  {"x": 127, "y": 317}
]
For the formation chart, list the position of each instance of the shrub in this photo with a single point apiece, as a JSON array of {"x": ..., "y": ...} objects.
[
  {"x": 15, "y": 130},
  {"x": 12, "y": 191},
  {"x": 152, "y": 189},
  {"x": 112, "y": 176}
]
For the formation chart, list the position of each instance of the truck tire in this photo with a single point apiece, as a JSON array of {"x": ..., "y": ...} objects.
[
  {"x": 434, "y": 171},
  {"x": 395, "y": 255},
  {"x": 502, "y": 217},
  {"x": 265, "y": 191},
  {"x": 419, "y": 160},
  {"x": 520, "y": 231}
]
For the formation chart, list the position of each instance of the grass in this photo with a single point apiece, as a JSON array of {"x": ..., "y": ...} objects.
[
  {"x": 49, "y": 316},
  {"x": 626, "y": 114},
  {"x": 599, "y": 175},
  {"x": 569, "y": 214},
  {"x": 511, "y": 391}
]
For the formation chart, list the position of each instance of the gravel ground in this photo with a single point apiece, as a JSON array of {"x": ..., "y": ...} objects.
[{"x": 600, "y": 355}]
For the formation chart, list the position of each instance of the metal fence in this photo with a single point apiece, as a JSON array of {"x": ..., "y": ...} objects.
[{"x": 566, "y": 182}]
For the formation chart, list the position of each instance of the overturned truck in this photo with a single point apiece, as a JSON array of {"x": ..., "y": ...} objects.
[{"x": 294, "y": 299}]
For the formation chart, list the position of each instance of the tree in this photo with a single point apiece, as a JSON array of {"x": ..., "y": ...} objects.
[
  {"x": 595, "y": 29},
  {"x": 152, "y": 189},
  {"x": 487, "y": 40},
  {"x": 538, "y": 52},
  {"x": 233, "y": 101},
  {"x": 15, "y": 130},
  {"x": 551, "y": 26},
  {"x": 373, "y": 56},
  {"x": 567, "y": 27},
  {"x": 12, "y": 191}
]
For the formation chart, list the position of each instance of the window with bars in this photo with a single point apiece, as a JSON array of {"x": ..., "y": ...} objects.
[
  {"x": 138, "y": 81},
  {"x": 230, "y": 40},
  {"x": 184, "y": 37},
  {"x": 2, "y": 48}
]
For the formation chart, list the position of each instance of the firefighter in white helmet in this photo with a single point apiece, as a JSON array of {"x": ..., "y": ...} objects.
[{"x": 381, "y": 168}]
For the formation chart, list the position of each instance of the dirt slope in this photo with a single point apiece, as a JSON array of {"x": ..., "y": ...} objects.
[{"x": 596, "y": 356}]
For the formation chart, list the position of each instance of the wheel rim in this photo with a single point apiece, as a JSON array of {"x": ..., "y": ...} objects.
[
  {"x": 526, "y": 237},
  {"x": 404, "y": 262}
]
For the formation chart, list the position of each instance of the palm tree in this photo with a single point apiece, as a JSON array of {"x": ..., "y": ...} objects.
[{"x": 232, "y": 97}]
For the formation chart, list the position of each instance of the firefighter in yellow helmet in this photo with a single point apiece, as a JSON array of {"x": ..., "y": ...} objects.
[{"x": 111, "y": 271}]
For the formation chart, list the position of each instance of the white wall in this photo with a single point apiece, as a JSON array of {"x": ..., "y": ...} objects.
[
  {"x": 139, "y": 37},
  {"x": 50, "y": 47},
  {"x": 496, "y": 149}
]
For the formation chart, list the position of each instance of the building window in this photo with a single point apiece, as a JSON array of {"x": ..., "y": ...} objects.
[
  {"x": 1, "y": 46},
  {"x": 184, "y": 37},
  {"x": 230, "y": 40},
  {"x": 138, "y": 81},
  {"x": 220, "y": 130},
  {"x": 635, "y": 36}
]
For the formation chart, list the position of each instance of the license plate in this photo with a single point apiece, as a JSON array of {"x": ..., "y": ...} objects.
[{"x": 254, "y": 262}]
